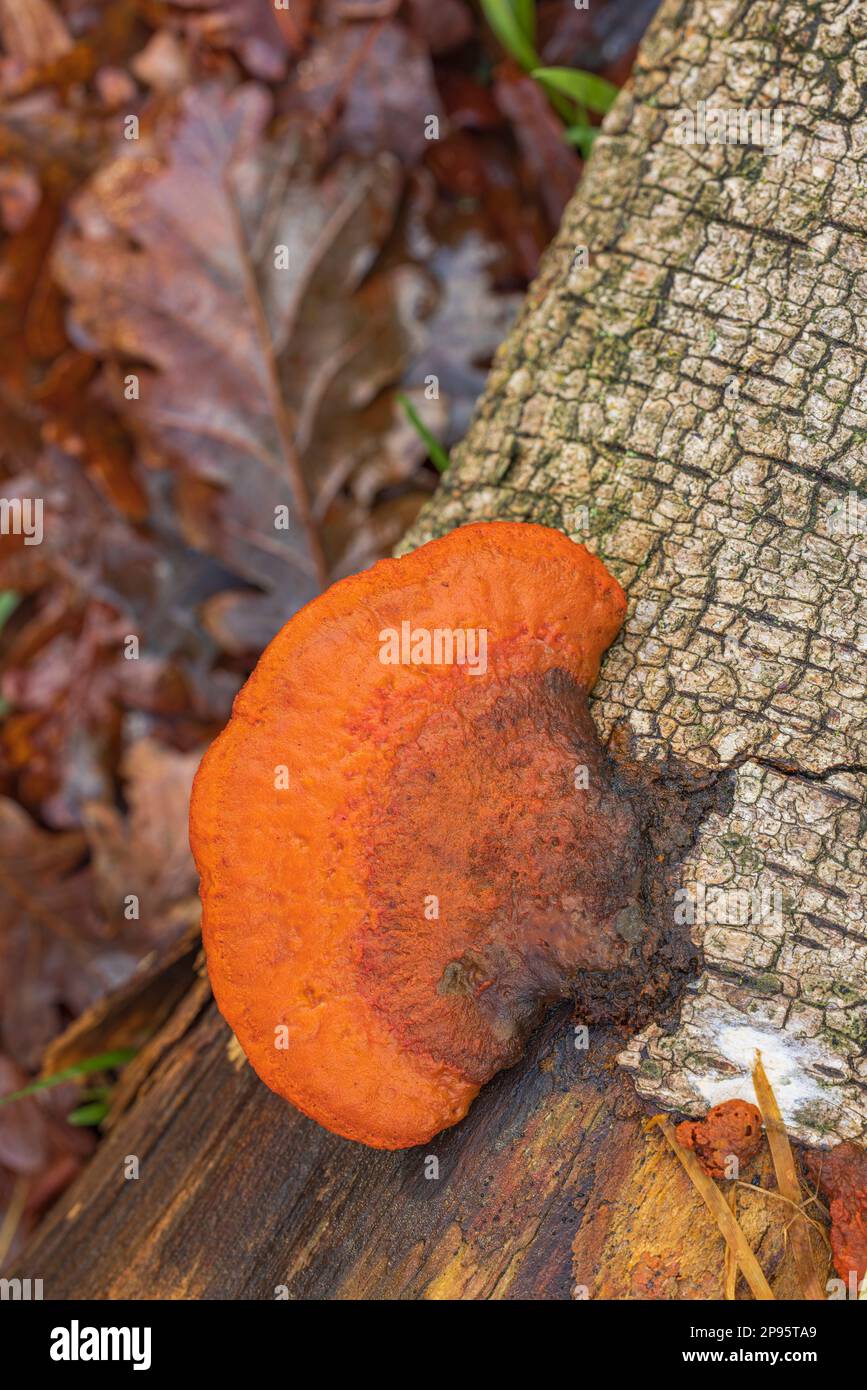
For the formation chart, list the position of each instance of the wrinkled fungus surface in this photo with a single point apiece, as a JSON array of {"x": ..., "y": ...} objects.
[
  {"x": 842, "y": 1178},
  {"x": 732, "y": 1129},
  {"x": 540, "y": 885},
  {"x": 449, "y": 850}
]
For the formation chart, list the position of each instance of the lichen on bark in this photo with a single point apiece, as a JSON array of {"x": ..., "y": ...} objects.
[{"x": 692, "y": 405}]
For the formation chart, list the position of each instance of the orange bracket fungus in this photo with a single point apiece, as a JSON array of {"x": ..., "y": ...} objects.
[{"x": 411, "y": 840}]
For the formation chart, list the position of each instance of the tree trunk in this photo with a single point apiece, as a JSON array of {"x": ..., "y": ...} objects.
[
  {"x": 692, "y": 405},
  {"x": 682, "y": 394}
]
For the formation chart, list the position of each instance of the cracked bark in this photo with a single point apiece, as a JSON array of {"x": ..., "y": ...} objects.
[{"x": 699, "y": 387}]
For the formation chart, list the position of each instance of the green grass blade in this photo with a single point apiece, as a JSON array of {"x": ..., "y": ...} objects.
[
  {"x": 582, "y": 136},
  {"x": 509, "y": 29},
  {"x": 9, "y": 601},
  {"x": 525, "y": 14},
  {"x": 92, "y": 1114},
  {"x": 438, "y": 455},
  {"x": 102, "y": 1062},
  {"x": 585, "y": 88}
]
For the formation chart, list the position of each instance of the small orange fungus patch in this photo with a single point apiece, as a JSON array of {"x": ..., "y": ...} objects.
[
  {"x": 842, "y": 1178},
  {"x": 732, "y": 1129}
]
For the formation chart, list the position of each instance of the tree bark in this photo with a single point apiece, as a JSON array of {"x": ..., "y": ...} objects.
[{"x": 690, "y": 404}]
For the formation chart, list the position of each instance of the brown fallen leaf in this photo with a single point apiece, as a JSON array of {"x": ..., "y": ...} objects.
[
  {"x": 20, "y": 195},
  {"x": 145, "y": 854},
  {"x": 54, "y": 956},
  {"x": 192, "y": 256},
  {"x": 552, "y": 168},
  {"x": 261, "y": 37},
  {"x": 58, "y": 737},
  {"x": 26, "y": 331},
  {"x": 371, "y": 86},
  {"x": 164, "y": 64},
  {"x": 441, "y": 24},
  {"x": 468, "y": 167},
  {"x": 362, "y": 535},
  {"x": 466, "y": 327},
  {"x": 39, "y": 1155},
  {"x": 323, "y": 344},
  {"x": 33, "y": 32},
  {"x": 69, "y": 690},
  {"x": 66, "y": 936},
  {"x": 129, "y": 1016}
]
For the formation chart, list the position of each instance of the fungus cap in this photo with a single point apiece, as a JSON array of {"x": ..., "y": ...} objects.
[{"x": 385, "y": 829}]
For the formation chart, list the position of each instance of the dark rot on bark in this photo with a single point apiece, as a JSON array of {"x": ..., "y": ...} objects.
[
  {"x": 411, "y": 840},
  {"x": 732, "y": 1129}
]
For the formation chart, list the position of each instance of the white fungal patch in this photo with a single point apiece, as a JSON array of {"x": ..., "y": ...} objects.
[{"x": 786, "y": 1061}]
